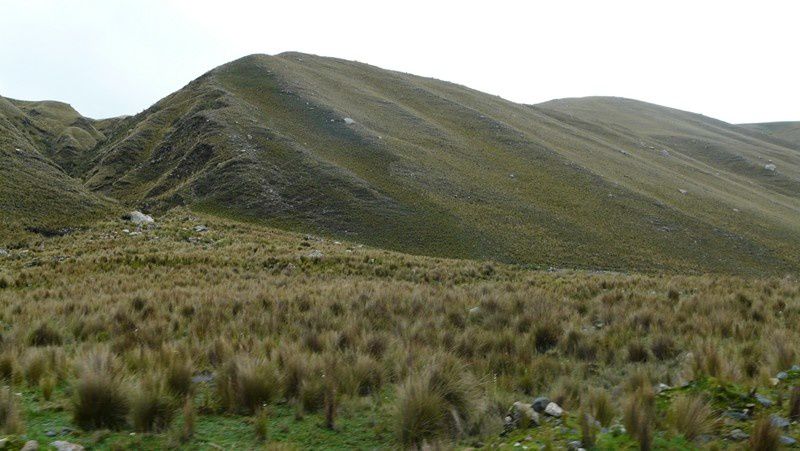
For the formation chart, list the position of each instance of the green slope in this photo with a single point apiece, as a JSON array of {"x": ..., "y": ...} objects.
[
  {"x": 35, "y": 192},
  {"x": 416, "y": 164},
  {"x": 786, "y": 131}
]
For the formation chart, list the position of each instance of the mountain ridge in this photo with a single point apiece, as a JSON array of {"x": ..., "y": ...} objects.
[{"x": 349, "y": 150}]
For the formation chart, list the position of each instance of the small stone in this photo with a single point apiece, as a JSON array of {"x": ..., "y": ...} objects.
[
  {"x": 50, "y": 433},
  {"x": 779, "y": 422},
  {"x": 683, "y": 191},
  {"x": 540, "y": 403},
  {"x": 474, "y": 311},
  {"x": 763, "y": 400},
  {"x": 795, "y": 368},
  {"x": 661, "y": 387},
  {"x": 200, "y": 228},
  {"x": 788, "y": 441},
  {"x": 774, "y": 381},
  {"x": 316, "y": 254},
  {"x": 61, "y": 445},
  {"x": 349, "y": 121},
  {"x": 554, "y": 410},
  {"x": 575, "y": 445},
  {"x": 30, "y": 445},
  {"x": 203, "y": 377},
  {"x": 782, "y": 375},
  {"x": 739, "y": 415},
  {"x": 770, "y": 167},
  {"x": 738, "y": 435},
  {"x": 3, "y": 252}
]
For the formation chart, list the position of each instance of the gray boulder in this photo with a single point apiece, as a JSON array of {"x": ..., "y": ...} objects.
[
  {"x": 779, "y": 422},
  {"x": 522, "y": 415},
  {"x": 30, "y": 445},
  {"x": 141, "y": 219},
  {"x": 540, "y": 403}
]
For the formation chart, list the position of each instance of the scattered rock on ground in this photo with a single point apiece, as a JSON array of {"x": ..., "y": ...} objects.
[
  {"x": 788, "y": 441},
  {"x": 683, "y": 191},
  {"x": 738, "y": 435},
  {"x": 665, "y": 152},
  {"x": 316, "y": 254},
  {"x": 30, "y": 445},
  {"x": 739, "y": 415},
  {"x": 61, "y": 445},
  {"x": 782, "y": 376},
  {"x": 540, "y": 403},
  {"x": 662, "y": 387},
  {"x": 141, "y": 219},
  {"x": 349, "y": 121},
  {"x": 770, "y": 167},
  {"x": 200, "y": 228},
  {"x": 779, "y": 422},
  {"x": 763, "y": 400},
  {"x": 3, "y": 252},
  {"x": 554, "y": 410},
  {"x": 474, "y": 311},
  {"x": 521, "y": 414},
  {"x": 203, "y": 377}
]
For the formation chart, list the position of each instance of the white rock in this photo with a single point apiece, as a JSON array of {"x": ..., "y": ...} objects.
[
  {"x": 474, "y": 311},
  {"x": 62, "y": 445},
  {"x": 3, "y": 252},
  {"x": 139, "y": 218},
  {"x": 683, "y": 191},
  {"x": 665, "y": 152},
  {"x": 315, "y": 254},
  {"x": 554, "y": 410},
  {"x": 349, "y": 121},
  {"x": 770, "y": 167}
]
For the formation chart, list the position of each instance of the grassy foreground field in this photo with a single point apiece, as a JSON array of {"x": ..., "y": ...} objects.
[{"x": 199, "y": 333}]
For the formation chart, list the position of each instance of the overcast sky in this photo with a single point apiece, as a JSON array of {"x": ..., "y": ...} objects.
[{"x": 737, "y": 61}]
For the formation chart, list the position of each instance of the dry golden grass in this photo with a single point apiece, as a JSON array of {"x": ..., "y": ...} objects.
[{"x": 125, "y": 322}]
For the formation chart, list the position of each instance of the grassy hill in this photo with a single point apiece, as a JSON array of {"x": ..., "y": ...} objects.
[
  {"x": 42, "y": 145},
  {"x": 786, "y": 131},
  {"x": 353, "y": 151}
]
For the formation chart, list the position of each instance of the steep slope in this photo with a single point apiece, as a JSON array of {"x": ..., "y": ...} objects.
[
  {"x": 35, "y": 192},
  {"x": 786, "y": 131},
  {"x": 405, "y": 162}
]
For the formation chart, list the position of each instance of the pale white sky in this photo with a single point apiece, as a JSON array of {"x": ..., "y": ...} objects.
[{"x": 736, "y": 61}]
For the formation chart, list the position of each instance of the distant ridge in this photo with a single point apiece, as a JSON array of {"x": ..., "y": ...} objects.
[{"x": 329, "y": 146}]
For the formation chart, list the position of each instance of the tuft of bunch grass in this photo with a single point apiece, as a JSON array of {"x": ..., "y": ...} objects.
[
  {"x": 152, "y": 408},
  {"x": 178, "y": 375},
  {"x": 44, "y": 335},
  {"x": 100, "y": 399},
  {"x": 261, "y": 424},
  {"x": 794, "y": 404},
  {"x": 691, "y": 416},
  {"x": 246, "y": 384},
  {"x": 601, "y": 407},
  {"x": 638, "y": 414},
  {"x": 765, "y": 436},
  {"x": 10, "y": 418},
  {"x": 435, "y": 403}
]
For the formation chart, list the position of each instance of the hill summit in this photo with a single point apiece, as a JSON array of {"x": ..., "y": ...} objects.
[{"x": 349, "y": 150}]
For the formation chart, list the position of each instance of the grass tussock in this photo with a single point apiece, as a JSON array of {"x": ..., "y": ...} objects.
[
  {"x": 765, "y": 436},
  {"x": 692, "y": 416},
  {"x": 100, "y": 399}
]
